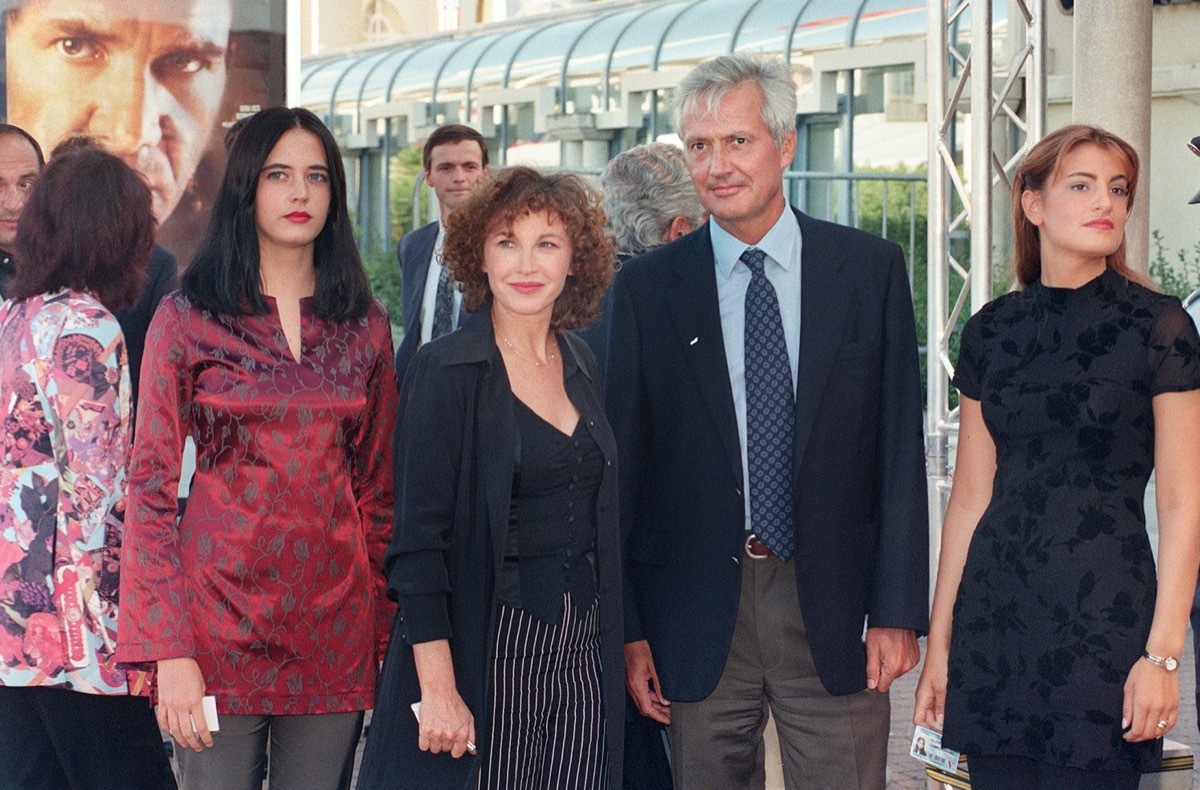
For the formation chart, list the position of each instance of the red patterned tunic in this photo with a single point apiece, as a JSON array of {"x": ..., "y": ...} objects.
[{"x": 272, "y": 580}]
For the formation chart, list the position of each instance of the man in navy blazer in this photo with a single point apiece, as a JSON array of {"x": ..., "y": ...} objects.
[
  {"x": 455, "y": 159},
  {"x": 721, "y": 626}
]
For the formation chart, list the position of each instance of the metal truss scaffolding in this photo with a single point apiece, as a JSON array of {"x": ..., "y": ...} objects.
[{"x": 1004, "y": 107}]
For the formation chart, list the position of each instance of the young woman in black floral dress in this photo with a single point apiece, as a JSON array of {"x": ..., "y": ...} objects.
[{"x": 1053, "y": 644}]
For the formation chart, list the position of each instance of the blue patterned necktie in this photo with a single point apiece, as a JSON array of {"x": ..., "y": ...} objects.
[
  {"x": 770, "y": 413},
  {"x": 443, "y": 305}
]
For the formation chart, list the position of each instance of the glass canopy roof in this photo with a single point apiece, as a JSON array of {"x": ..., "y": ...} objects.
[{"x": 585, "y": 50}]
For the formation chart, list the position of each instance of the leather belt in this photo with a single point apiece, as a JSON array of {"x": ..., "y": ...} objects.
[{"x": 756, "y": 549}]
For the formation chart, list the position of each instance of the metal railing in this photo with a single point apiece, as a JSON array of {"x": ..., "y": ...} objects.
[{"x": 839, "y": 197}]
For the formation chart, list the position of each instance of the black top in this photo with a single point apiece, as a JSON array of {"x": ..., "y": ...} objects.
[
  {"x": 551, "y": 542},
  {"x": 1058, "y": 589},
  {"x": 7, "y": 270},
  {"x": 161, "y": 279}
]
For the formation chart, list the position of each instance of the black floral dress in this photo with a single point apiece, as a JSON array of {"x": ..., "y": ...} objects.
[{"x": 1059, "y": 585}]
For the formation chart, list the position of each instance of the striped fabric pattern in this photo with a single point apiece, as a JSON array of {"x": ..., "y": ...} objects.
[{"x": 547, "y": 715}]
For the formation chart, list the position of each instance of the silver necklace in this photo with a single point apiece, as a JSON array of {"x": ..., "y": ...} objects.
[{"x": 549, "y": 357}]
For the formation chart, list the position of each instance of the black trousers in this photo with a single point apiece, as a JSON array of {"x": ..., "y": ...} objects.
[
  {"x": 992, "y": 772},
  {"x": 56, "y": 738},
  {"x": 547, "y": 728}
]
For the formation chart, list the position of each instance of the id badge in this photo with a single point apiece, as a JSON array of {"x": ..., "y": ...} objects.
[{"x": 927, "y": 747}]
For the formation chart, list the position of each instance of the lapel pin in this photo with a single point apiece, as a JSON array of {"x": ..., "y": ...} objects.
[{"x": 695, "y": 340}]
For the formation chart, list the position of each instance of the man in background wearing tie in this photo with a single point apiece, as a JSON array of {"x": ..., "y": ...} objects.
[
  {"x": 764, "y": 389},
  {"x": 455, "y": 159}
]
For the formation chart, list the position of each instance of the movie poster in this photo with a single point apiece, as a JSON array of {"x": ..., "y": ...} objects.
[{"x": 158, "y": 82}]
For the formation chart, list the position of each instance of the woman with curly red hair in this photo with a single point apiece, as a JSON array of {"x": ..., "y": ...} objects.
[{"x": 505, "y": 557}]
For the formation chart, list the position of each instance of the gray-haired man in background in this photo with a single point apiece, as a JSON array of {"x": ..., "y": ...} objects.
[{"x": 650, "y": 200}]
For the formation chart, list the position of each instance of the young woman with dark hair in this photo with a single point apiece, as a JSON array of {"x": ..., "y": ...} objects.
[
  {"x": 1054, "y": 641},
  {"x": 69, "y": 715},
  {"x": 268, "y": 592},
  {"x": 226, "y": 274}
]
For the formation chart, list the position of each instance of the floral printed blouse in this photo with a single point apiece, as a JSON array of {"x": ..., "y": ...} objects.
[
  {"x": 64, "y": 386},
  {"x": 272, "y": 579}
]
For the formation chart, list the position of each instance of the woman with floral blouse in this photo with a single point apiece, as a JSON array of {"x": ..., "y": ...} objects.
[
  {"x": 69, "y": 715},
  {"x": 268, "y": 592}
]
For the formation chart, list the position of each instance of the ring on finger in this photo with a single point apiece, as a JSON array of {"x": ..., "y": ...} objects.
[{"x": 1162, "y": 725}]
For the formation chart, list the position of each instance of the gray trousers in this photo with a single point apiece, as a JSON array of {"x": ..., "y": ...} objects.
[
  {"x": 308, "y": 752},
  {"x": 825, "y": 741}
]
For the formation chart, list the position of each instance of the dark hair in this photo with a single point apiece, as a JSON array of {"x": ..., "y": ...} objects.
[
  {"x": 451, "y": 133},
  {"x": 88, "y": 226},
  {"x": 224, "y": 274},
  {"x": 233, "y": 131},
  {"x": 77, "y": 142},
  {"x": 1037, "y": 170},
  {"x": 516, "y": 192},
  {"x": 9, "y": 129}
]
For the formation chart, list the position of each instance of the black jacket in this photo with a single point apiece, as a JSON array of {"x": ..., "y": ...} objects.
[
  {"x": 414, "y": 253},
  {"x": 456, "y": 442}
]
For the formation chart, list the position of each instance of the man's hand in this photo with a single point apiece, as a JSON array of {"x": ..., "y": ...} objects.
[
  {"x": 642, "y": 681},
  {"x": 890, "y": 653}
]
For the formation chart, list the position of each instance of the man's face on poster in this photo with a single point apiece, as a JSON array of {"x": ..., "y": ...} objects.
[{"x": 144, "y": 77}]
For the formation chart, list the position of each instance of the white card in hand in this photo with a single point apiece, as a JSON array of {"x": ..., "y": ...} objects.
[{"x": 210, "y": 713}]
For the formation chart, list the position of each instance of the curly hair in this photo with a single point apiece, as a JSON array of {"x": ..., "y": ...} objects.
[{"x": 516, "y": 192}]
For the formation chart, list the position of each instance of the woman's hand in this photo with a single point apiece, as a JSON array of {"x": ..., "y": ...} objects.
[
  {"x": 180, "y": 708},
  {"x": 931, "y": 691},
  {"x": 1151, "y": 698},
  {"x": 446, "y": 725}
]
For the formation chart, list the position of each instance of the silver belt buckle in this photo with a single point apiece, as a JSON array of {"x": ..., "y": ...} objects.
[{"x": 746, "y": 545}]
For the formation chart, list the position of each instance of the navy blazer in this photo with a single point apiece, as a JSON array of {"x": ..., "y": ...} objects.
[
  {"x": 413, "y": 252},
  {"x": 861, "y": 524},
  {"x": 456, "y": 446}
]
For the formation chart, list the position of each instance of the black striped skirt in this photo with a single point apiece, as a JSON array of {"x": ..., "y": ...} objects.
[{"x": 547, "y": 728}]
